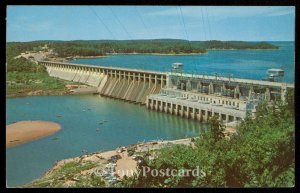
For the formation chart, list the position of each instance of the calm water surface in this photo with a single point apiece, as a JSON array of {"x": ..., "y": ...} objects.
[
  {"x": 250, "y": 64},
  {"x": 126, "y": 124}
]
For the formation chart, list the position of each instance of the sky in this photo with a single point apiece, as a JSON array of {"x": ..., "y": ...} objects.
[{"x": 244, "y": 23}]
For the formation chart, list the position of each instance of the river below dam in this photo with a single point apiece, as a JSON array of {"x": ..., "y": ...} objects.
[{"x": 90, "y": 123}]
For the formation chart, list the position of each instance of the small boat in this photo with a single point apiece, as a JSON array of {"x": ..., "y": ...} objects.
[
  {"x": 55, "y": 138},
  {"x": 275, "y": 72},
  {"x": 177, "y": 65},
  {"x": 274, "y": 75},
  {"x": 14, "y": 140},
  {"x": 84, "y": 151},
  {"x": 58, "y": 115}
]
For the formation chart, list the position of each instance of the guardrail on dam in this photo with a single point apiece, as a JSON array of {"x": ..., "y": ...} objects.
[
  {"x": 127, "y": 84},
  {"x": 197, "y": 97}
]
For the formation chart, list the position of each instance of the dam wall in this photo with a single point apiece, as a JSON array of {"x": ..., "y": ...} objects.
[
  {"x": 192, "y": 96},
  {"x": 120, "y": 83},
  {"x": 199, "y": 106}
]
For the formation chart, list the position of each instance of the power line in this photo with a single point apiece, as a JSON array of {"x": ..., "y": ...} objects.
[
  {"x": 203, "y": 24},
  {"x": 141, "y": 67},
  {"x": 99, "y": 18},
  {"x": 180, "y": 20},
  {"x": 183, "y": 24},
  {"x": 209, "y": 29},
  {"x": 146, "y": 29},
  {"x": 140, "y": 16},
  {"x": 120, "y": 23},
  {"x": 186, "y": 34},
  {"x": 205, "y": 31}
]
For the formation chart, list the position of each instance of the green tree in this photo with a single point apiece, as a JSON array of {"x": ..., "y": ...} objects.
[
  {"x": 217, "y": 129},
  {"x": 262, "y": 154}
]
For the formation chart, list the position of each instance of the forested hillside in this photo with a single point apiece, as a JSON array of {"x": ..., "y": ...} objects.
[{"x": 102, "y": 47}]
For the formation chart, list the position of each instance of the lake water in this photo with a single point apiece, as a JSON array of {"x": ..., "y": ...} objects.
[
  {"x": 250, "y": 64},
  {"x": 126, "y": 124}
]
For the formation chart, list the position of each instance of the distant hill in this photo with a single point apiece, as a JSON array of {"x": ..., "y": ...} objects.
[
  {"x": 102, "y": 47},
  {"x": 214, "y": 44}
]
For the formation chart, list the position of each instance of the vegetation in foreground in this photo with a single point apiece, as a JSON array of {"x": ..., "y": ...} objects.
[
  {"x": 262, "y": 154},
  {"x": 69, "y": 175}
]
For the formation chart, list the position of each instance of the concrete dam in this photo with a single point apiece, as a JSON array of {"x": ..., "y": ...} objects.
[
  {"x": 196, "y": 97},
  {"x": 127, "y": 84}
]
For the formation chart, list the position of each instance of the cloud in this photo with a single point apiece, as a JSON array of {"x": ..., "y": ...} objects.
[{"x": 219, "y": 12}]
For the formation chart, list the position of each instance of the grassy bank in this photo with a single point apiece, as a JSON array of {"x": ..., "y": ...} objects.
[
  {"x": 23, "y": 84},
  {"x": 69, "y": 175},
  {"x": 24, "y": 78}
]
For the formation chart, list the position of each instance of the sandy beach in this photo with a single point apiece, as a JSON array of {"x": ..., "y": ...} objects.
[{"x": 26, "y": 131}]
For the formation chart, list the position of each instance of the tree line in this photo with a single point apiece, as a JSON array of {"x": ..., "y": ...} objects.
[{"x": 163, "y": 46}]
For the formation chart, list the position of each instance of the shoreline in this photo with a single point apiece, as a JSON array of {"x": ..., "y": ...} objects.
[
  {"x": 80, "y": 89},
  {"x": 34, "y": 93},
  {"x": 164, "y": 54},
  {"x": 69, "y": 58},
  {"x": 23, "y": 132},
  {"x": 39, "y": 92},
  {"x": 157, "y": 54},
  {"x": 118, "y": 160},
  {"x": 83, "y": 57},
  {"x": 255, "y": 49},
  {"x": 153, "y": 54},
  {"x": 104, "y": 158}
]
